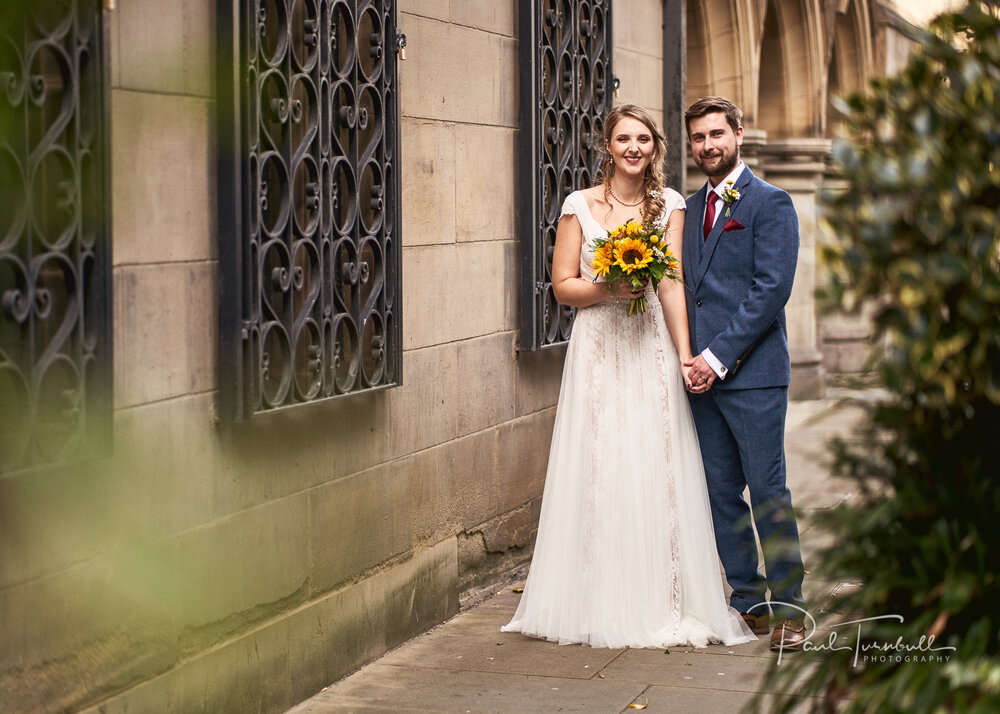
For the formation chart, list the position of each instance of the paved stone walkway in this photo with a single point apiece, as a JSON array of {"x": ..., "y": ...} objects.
[{"x": 468, "y": 665}]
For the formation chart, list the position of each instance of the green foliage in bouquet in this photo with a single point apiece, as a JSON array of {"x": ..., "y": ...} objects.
[
  {"x": 918, "y": 237},
  {"x": 634, "y": 253}
]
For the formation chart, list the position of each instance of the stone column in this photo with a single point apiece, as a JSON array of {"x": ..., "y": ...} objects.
[
  {"x": 798, "y": 166},
  {"x": 845, "y": 337}
]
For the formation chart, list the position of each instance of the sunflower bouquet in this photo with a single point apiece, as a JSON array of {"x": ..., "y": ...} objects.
[{"x": 634, "y": 253}]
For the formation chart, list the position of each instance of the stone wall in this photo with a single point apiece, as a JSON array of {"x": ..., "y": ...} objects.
[
  {"x": 637, "y": 57},
  {"x": 213, "y": 567}
]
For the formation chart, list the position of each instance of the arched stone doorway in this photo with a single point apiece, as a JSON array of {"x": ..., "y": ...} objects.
[
  {"x": 717, "y": 60},
  {"x": 849, "y": 53},
  {"x": 789, "y": 81}
]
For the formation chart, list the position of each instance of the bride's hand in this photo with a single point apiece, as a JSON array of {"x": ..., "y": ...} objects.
[
  {"x": 625, "y": 290},
  {"x": 685, "y": 372},
  {"x": 689, "y": 384}
]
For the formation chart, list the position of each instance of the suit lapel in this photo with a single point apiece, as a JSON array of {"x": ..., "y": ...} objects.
[
  {"x": 693, "y": 239},
  {"x": 713, "y": 237}
]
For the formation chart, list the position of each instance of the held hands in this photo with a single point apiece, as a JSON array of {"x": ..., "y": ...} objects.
[
  {"x": 684, "y": 373},
  {"x": 698, "y": 375}
]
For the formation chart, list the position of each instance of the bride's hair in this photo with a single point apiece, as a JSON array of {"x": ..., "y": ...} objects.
[{"x": 655, "y": 176}]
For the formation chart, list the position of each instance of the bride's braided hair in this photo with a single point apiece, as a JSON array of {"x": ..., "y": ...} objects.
[{"x": 655, "y": 176}]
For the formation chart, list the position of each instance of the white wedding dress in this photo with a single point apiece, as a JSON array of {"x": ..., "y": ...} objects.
[{"x": 625, "y": 554}]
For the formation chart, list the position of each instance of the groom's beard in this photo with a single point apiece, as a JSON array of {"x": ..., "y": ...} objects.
[{"x": 722, "y": 168}]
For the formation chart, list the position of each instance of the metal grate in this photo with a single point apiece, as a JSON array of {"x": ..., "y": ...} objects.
[
  {"x": 55, "y": 256},
  {"x": 566, "y": 88},
  {"x": 309, "y": 196}
]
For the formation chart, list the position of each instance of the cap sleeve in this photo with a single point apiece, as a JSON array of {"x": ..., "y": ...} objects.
[
  {"x": 570, "y": 206},
  {"x": 672, "y": 201}
]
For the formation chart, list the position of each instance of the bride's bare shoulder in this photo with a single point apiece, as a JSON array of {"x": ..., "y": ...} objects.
[{"x": 595, "y": 196}]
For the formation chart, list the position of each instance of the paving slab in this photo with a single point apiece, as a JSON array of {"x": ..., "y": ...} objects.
[
  {"x": 679, "y": 699},
  {"x": 694, "y": 671},
  {"x": 753, "y": 648},
  {"x": 478, "y": 620},
  {"x": 387, "y": 688},
  {"x": 490, "y": 650}
]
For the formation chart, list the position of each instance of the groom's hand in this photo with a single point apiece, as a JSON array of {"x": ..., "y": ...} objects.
[{"x": 701, "y": 375}]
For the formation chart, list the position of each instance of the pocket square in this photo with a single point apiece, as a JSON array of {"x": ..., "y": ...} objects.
[{"x": 732, "y": 225}]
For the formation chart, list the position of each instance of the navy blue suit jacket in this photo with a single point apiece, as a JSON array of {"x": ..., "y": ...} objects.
[{"x": 739, "y": 280}]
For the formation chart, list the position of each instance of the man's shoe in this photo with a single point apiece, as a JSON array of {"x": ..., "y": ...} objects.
[
  {"x": 758, "y": 624},
  {"x": 789, "y": 636}
]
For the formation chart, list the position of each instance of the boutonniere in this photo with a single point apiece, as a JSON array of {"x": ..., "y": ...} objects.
[{"x": 730, "y": 194}]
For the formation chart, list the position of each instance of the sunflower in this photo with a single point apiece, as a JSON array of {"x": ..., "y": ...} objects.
[
  {"x": 633, "y": 228},
  {"x": 632, "y": 254},
  {"x": 604, "y": 258}
]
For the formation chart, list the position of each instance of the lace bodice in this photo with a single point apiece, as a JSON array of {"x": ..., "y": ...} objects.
[{"x": 576, "y": 204}]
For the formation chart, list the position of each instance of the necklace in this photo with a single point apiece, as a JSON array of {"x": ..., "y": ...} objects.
[{"x": 627, "y": 205}]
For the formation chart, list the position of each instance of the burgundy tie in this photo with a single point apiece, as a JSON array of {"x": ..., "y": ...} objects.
[{"x": 713, "y": 198}]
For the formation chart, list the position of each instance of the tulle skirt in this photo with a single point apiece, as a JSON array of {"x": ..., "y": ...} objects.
[{"x": 625, "y": 554}]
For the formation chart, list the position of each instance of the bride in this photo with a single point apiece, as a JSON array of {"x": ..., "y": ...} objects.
[{"x": 625, "y": 555}]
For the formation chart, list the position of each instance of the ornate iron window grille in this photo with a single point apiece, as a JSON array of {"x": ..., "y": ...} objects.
[
  {"x": 308, "y": 195},
  {"x": 55, "y": 253},
  {"x": 566, "y": 86}
]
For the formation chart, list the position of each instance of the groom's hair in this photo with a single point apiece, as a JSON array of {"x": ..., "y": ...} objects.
[{"x": 710, "y": 105}]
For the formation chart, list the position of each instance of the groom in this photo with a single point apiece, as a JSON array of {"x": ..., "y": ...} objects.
[{"x": 741, "y": 243}]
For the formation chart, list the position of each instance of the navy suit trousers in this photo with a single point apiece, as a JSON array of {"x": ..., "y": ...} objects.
[{"x": 741, "y": 432}]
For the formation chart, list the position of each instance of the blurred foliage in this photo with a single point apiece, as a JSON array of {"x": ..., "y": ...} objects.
[{"x": 918, "y": 237}]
